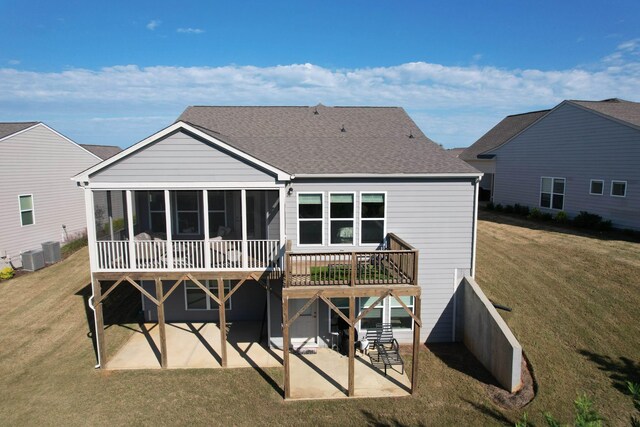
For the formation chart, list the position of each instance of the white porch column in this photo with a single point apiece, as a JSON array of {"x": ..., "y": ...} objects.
[
  {"x": 91, "y": 229},
  {"x": 132, "y": 244},
  {"x": 167, "y": 216},
  {"x": 243, "y": 201},
  {"x": 282, "y": 203},
  {"x": 205, "y": 207}
]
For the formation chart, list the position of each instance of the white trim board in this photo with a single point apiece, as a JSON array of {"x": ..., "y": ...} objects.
[{"x": 84, "y": 176}]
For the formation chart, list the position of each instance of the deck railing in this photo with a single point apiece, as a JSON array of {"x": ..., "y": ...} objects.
[
  {"x": 189, "y": 255},
  {"x": 395, "y": 266}
]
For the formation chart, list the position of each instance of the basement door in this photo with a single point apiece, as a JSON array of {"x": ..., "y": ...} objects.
[{"x": 304, "y": 329}]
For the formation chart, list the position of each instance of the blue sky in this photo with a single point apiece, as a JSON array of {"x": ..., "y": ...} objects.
[{"x": 115, "y": 72}]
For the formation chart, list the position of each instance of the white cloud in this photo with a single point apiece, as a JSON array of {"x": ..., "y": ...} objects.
[
  {"x": 190, "y": 30},
  {"x": 454, "y": 105},
  {"x": 14, "y": 62},
  {"x": 153, "y": 24}
]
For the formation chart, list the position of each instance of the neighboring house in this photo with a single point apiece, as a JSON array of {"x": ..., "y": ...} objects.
[
  {"x": 579, "y": 156},
  {"x": 498, "y": 135},
  {"x": 354, "y": 195},
  {"x": 102, "y": 151},
  {"x": 456, "y": 151},
  {"x": 38, "y": 201}
]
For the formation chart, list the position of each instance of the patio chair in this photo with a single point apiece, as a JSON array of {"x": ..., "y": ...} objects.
[{"x": 390, "y": 356}]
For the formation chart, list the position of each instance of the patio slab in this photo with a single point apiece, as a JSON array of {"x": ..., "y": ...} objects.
[
  {"x": 325, "y": 375},
  {"x": 195, "y": 345}
]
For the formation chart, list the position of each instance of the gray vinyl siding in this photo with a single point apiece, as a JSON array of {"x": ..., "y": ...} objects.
[
  {"x": 247, "y": 303},
  {"x": 435, "y": 216},
  {"x": 40, "y": 162},
  {"x": 577, "y": 145},
  {"x": 181, "y": 158}
]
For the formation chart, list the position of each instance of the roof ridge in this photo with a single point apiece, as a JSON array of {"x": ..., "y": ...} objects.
[
  {"x": 292, "y": 106},
  {"x": 19, "y": 123},
  {"x": 529, "y": 112}
]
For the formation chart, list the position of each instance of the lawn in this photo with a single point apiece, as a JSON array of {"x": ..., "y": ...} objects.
[{"x": 574, "y": 301}]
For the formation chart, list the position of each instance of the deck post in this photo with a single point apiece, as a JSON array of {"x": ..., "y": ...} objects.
[
  {"x": 285, "y": 346},
  {"x": 132, "y": 243},
  {"x": 243, "y": 209},
  {"x": 161, "y": 324},
  {"x": 223, "y": 323},
  {"x": 354, "y": 267},
  {"x": 99, "y": 331},
  {"x": 352, "y": 348},
  {"x": 416, "y": 345}
]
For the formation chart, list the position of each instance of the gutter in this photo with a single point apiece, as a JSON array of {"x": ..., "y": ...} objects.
[
  {"x": 390, "y": 175},
  {"x": 95, "y": 322}
]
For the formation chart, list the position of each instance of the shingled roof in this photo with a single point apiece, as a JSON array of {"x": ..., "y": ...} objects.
[
  {"x": 626, "y": 111},
  {"x": 102, "y": 151},
  {"x": 9, "y": 128},
  {"x": 327, "y": 140},
  {"x": 501, "y": 133}
]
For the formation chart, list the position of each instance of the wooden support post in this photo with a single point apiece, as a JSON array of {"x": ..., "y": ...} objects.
[
  {"x": 223, "y": 323},
  {"x": 161, "y": 324},
  {"x": 352, "y": 348},
  {"x": 100, "y": 342},
  {"x": 354, "y": 268},
  {"x": 416, "y": 346},
  {"x": 285, "y": 347}
]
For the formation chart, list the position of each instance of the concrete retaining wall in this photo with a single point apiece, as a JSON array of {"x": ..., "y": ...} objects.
[{"x": 489, "y": 338}]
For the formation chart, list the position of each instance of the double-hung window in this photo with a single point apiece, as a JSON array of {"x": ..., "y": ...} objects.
[
  {"x": 341, "y": 218},
  {"x": 157, "y": 217},
  {"x": 26, "y": 210},
  {"x": 388, "y": 311},
  {"x": 596, "y": 187},
  {"x": 187, "y": 212},
  {"x": 310, "y": 218},
  {"x": 197, "y": 299},
  {"x": 619, "y": 188},
  {"x": 372, "y": 217},
  {"x": 552, "y": 193}
]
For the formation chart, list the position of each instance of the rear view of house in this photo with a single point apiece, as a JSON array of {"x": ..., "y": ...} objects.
[
  {"x": 38, "y": 201},
  {"x": 292, "y": 219}
]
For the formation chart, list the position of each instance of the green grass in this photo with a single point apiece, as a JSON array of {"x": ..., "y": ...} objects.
[
  {"x": 575, "y": 302},
  {"x": 342, "y": 272}
]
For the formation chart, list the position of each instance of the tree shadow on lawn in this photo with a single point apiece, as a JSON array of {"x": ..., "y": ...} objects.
[
  {"x": 620, "y": 371},
  {"x": 520, "y": 221}
]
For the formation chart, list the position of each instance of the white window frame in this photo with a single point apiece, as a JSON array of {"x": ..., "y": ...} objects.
[
  {"x": 151, "y": 211},
  {"x": 298, "y": 219},
  {"x": 177, "y": 212},
  {"x": 591, "y": 187},
  {"x": 211, "y": 306},
  {"x": 564, "y": 194},
  {"x": 360, "y": 219},
  {"x": 386, "y": 312},
  {"x": 617, "y": 181},
  {"x": 354, "y": 240},
  {"x": 32, "y": 210},
  {"x": 412, "y": 306},
  {"x": 331, "y": 312}
]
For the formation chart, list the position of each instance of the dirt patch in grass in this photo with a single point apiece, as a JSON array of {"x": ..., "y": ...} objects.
[{"x": 519, "y": 399}]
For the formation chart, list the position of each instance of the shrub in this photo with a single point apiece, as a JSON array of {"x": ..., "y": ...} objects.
[
  {"x": 490, "y": 206},
  {"x": 499, "y": 207},
  {"x": 78, "y": 242},
  {"x": 587, "y": 220},
  {"x": 521, "y": 210},
  {"x": 535, "y": 214},
  {"x": 562, "y": 217},
  {"x": 546, "y": 216},
  {"x": 509, "y": 209},
  {"x": 6, "y": 273},
  {"x": 605, "y": 225}
]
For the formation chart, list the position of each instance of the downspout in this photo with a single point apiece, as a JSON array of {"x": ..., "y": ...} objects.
[
  {"x": 95, "y": 322},
  {"x": 475, "y": 228}
]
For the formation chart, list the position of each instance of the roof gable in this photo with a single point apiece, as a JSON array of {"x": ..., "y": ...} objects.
[
  {"x": 508, "y": 127},
  {"x": 615, "y": 108},
  {"x": 9, "y": 128}
]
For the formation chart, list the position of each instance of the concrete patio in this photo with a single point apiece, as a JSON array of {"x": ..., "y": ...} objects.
[
  {"x": 195, "y": 345},
  {"x": 323, "y": 375}
]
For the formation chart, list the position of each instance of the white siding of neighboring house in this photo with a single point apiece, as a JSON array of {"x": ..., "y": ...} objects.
[
  {"x": 435, "y": 216},
  {"x": 577, "y": 145},
  {"x": 40, "y": 162},
  {"x": 180, "y": 158}
]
